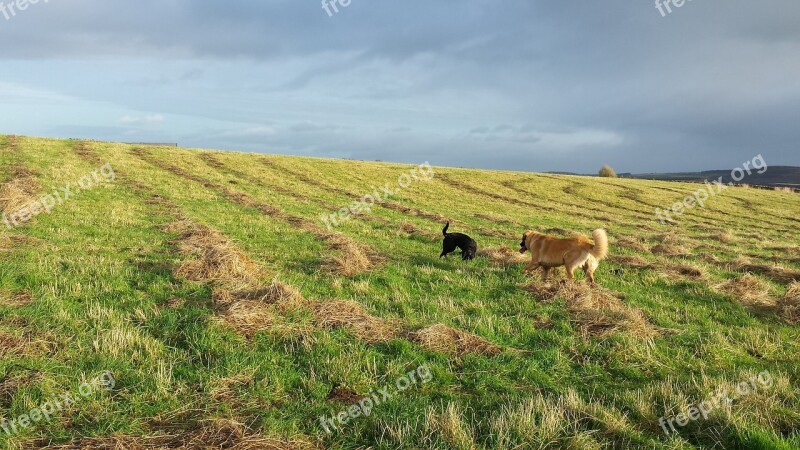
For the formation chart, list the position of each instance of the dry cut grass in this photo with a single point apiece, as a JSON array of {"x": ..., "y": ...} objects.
[
  {"x": 756, "y": 294},
  {"x": 596, "y": 311},
  {"x": 776, "y": 272},
  {"x": 212, "y": 434},
  {"x": 213, "y": 258},
  {"x": 351, "y": 316},
  {"x": 248, "y": 312},
  {"x": 505, "y": 256},
  {"x": 671, "y": 250},
  {"x": 441, "y": 338},
  {"x": 353, "y": 258},
  {"x": 20, "y": 191}
]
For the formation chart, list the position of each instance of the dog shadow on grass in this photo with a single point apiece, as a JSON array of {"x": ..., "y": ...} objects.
[{"x": 448, "y": 263}]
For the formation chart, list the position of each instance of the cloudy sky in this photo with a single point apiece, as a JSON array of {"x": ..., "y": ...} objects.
[{"x": 557, "y": 85}]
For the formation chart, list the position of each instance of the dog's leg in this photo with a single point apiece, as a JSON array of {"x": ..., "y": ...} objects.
[
  {"x": 589, "y": 268},
  {"x": 447, "y": 248},
  {"x": 589, "y": 273},
  {"x": 545, "y": 273},
  {"x": 532, "y": 265}
]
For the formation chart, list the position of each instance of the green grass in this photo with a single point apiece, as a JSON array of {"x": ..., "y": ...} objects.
[{"x": 102, "y": 295}]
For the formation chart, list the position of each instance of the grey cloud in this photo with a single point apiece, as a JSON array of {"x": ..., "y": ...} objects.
[{"x": 519, "y": 84}]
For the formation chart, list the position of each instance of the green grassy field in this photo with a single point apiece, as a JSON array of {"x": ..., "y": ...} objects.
[{"x": 230, "y": 316}]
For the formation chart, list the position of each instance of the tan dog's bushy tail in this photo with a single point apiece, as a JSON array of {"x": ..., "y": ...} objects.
[{"x": 600, "y": 249}]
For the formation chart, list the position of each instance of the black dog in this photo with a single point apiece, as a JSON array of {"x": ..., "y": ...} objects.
[{"x": 467, "y": 245}]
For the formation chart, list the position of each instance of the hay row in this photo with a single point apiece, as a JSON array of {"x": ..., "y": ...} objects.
[
  {"x": 152, "y": 198},
  {"x": 215, "y": 163},
  {"x": 580, "y": 210},
  {"x": 241, "y": 304},
  {"x": 497, "y": 220},
  {"x": 573, "y": 193},
  {"x": 240, "y": 301},
  {"x": 209, "y": 257},
  {"x": 351, "y": 316},
  {"x": 354, "y": 258},
  {"x": 12, "y": 143},
  {"x": 756, "y": 295},
  {"x": 596, "y": 311},
  {"x": 335, "y": 190},
  {"x": 82, "y": 149},
  {"x": 778, "y": 273},
  {"x": 209, "y": 434},
  {"x": 412, "y": 230},
  {"x": 251, "y": 311},
  {"x": 437, "y": 338},
  {"x": 667, "y": 269}
]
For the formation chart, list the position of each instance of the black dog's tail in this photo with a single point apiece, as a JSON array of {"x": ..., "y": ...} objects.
[{"x": 446, "y": 227}]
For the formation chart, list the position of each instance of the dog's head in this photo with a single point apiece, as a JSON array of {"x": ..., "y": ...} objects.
[{"x": 523, "y": 246}]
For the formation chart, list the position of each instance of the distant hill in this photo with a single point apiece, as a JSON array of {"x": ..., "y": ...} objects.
[{"x": 775, "y": 176}]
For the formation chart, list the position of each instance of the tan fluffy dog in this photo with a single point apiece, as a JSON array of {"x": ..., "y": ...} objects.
[{"x": 548, "y": 252}]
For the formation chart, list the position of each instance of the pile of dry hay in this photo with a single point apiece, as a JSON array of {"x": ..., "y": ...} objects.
[
  {"x": 240, "y": 301},
  {"x": 353, "y": 258},
  {"x": 668, "y": 270},
  {"x": 411, "y": 229},
  {"x": 755, "y": 293},
  {"x": 211, "y": 434},
  {"x": 671, "y": 250},
  {"x": 441, "y": 338},
  {"x": 213, "y": 258},
  {"x": 251, "y": 311},
  {"x": 596, "y": 311},
  {"x": 20, "y": 191},
  {"x": 243, "y": 304},
  {"x": 632, "y": 244},
  {"x": 503, "y": 255},
  {"x": 777, "y": 273},
  {"x": 351, "y": 316},
  {"x": 682, "y": 271}
]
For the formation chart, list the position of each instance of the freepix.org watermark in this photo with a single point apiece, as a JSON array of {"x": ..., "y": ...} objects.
[
  {"x": 702, "y": 195},
  {"x": 423, "y": 172},
  {"x": 45, "y": 411},
  {"x": 332, "y": 6},
  {"x": 722, "y": 399},
  {"x": 665, "y": 6},
  {"x": 47, "y": 202},
  {"x": 421, "y": 374},
  {"x": 9, "y": 10}
]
